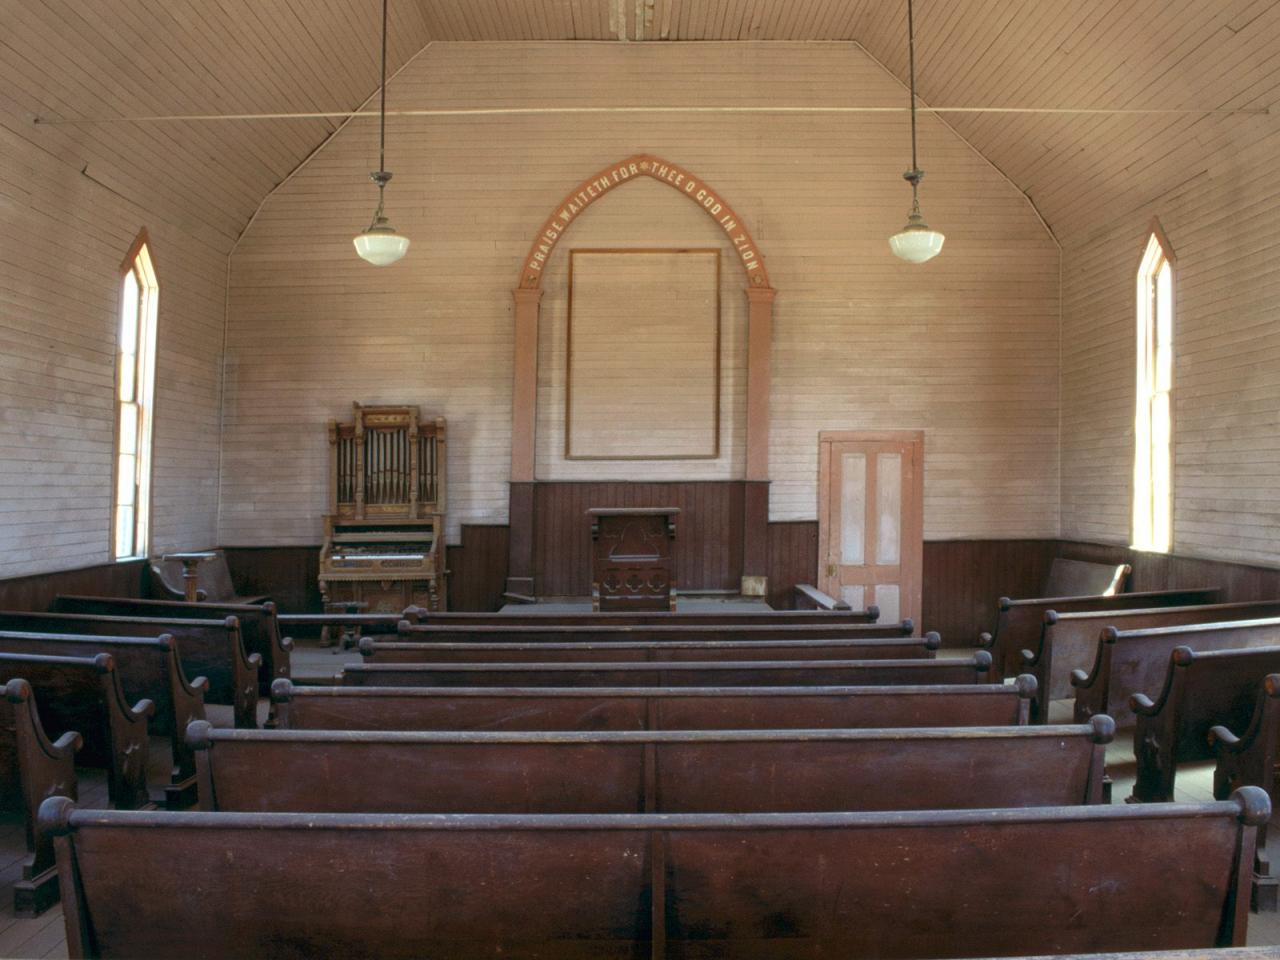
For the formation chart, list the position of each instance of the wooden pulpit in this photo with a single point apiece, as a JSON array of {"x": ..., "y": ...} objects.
[{"x": 631, "y": 558}]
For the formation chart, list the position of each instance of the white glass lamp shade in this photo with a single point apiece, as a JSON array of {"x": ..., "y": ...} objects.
[
  {"x": 916, "y": 242},
  {"x": 380, "y": 244}
]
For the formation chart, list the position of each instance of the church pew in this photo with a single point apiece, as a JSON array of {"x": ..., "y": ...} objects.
[
  {"x": 771, "y": 673},
  {"x": 650, "y": 708},
  {"x": 893, "y": 885},
  {"x": 1252, "y": 758},
  {"x": 1069, "y": 640},
  {"x": 737, "y": 771},
  {"x": 84, "y": 694},
  {"x": 1018, "y": 622},
  {"x": 209, "y": 648},
  {"x": 259, "y": 624},
  {"x": 1134, "y": 661},
  {"x": 1201, "y": 689},
  {"x": 650, "y": 633},
  {"x": 149, "y": 669},
  {"x": 1084, "y": 578},
  {"x": 904, "y": 648},
  {"x": 32, "y": 768}
]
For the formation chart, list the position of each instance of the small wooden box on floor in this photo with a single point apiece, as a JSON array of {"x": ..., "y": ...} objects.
[
  {"x": 383, "y": 535},
  {"x": 631, "y": 558}
]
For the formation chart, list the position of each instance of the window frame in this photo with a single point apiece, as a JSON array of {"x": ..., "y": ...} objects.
[
  {"x": 1157, "y": 253},
  {"x": 146, "y": 274}
]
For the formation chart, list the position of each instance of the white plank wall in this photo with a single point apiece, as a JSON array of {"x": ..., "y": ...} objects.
[
  {"x": 965, "y": 347},
  {"x": 1227, "y": 352}
]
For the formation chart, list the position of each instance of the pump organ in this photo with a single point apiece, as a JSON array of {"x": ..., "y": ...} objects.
[{"x": 384, "y": 533}]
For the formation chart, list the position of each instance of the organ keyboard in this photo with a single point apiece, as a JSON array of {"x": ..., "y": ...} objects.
[{"x": 385, "y": 529}]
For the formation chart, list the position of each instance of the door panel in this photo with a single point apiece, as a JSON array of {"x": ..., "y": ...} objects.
[{"x": 871, "y": 520}]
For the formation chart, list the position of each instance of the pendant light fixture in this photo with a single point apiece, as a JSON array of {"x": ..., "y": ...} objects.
[
  {"x": 915, "y": 242},
  {"x": 380, "y": 244}
]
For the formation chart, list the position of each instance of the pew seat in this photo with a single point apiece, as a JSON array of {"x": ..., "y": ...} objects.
[
  {"x": 84, "y": 694},
  {"x": 1202, "y": 689},
  {"x": 149, "y": 669},
  {"x": 33, "y": 768},
  {"x": 737, "y": 771},
  {"x": 650, "y": 708},
  {"x": 915, "y": 884},
  {"x": 1128, "y": 662},
  {"x": 209, "y": 648}
]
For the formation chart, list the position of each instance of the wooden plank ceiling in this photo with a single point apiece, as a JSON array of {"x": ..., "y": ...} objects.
[{"x": 131, "y": 57}]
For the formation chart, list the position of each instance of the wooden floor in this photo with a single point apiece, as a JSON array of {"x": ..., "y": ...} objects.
[{"x": 45, "y": 937}]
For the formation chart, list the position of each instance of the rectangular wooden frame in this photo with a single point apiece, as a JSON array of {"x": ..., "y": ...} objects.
[{"x": 568, "y": 379}]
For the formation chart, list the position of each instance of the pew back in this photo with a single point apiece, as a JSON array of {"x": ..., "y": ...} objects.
[
  {"x": 684, "y": 885},
  {"x": 1127, "y": 662},
  {"x": 259, "y": 624},
  {"x": 651, "y": 708},
  {"x": 1018, "y": 622},
  {"x": 431, "y": 632},
  {"x": 1069, "y": 640},
  {"x": 945, "y": 768},
  {"x": 1082, "y": 578},
  {"x": 772, "y": 673},
  {"x": 210, "y": 648},
  {"x": 401, "y": 651},
  {"x": 1201, "y": 689}
]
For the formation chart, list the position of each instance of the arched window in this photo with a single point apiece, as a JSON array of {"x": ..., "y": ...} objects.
[
  {"x": 1153, "y": 421},
  {"x": 135, "y": 388}
]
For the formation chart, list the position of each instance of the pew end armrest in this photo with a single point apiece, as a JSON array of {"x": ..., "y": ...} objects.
[
  {"x": 1079, "y": 678},
  {"x": 286, "y": 643},
  {"x": 1222, "y": 740},
  {"x": 200, "y": 685},
  {"x": 144, "y": 708},
  {"x": 985, "y": 640},
  {"x": 67, "y": 745},
  {"x": 1142, "y": 705},
  {"x": 1029, "y": 658}
]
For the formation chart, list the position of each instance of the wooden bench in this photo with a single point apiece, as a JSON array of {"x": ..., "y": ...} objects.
[
  {"x": 691, "y": 673},
  {"x": 650, "y": 633},
  {"x": 1069, "y": 641},
  {"x": 1127, "y": 662},
  {"x": 1019, "y": 622},
  {"x": 916, "y": 884},
  {"x": 1201, "y": 689},
  {"x": 806, "y": 596},
  {"x": 33, "y": 768},
  {"x": 1252, "y": 758},
  {"x": 905, "y": 648},
  {"x": 650, "y": 708},
  {"x": 259, "y": 625},
  {"x": 684, "y": 771},
  {"x": 213, "y": 581},
  {"x": 149, "y": 669},
  {"x": 84, "y": 694},
  {"x": 213, "y": 649}
]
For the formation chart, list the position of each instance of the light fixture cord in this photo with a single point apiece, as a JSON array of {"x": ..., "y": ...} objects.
[
  {"x": 915, "y": 174},
  {"x": 382, "y": 132}
]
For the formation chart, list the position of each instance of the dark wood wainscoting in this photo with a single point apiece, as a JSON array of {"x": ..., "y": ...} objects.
[
  {"x": 793, "y": 559},
  {"x": 1160, "y": 571},
  {"x": 963, "y": 579},
  {"x": 708, "y": 531},
  {"x": 286, "y": 574},
  {"x": 36, "y": 592},
  {"x": 478, "y": 568}
]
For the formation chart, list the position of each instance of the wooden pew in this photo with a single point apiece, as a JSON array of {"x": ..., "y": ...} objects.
[
  {"x": 1069, "y": 641},
  {"x": 904, "y": 648},
  {"x": 1133, "y": 661},
  {"x": 806, "y": 596},
  {"x": 84, "y": 694},
  {"x": 915, "y": 884},
  {"x": 1253, "y": 759},
  {"x": 690, "y": 673},
  {"x": 1083, "y": 578},
  {"x": 1201, "y": 689},
  {"x": 149, "y": 669},
  {"x": 1018, "y": 622},
  {"x": 213, "y": 649},
  {"x": 649, "y": 633},
  {"x": 684, "y": 771},
  {"x": 650, "y": 708},
  {"x": 33, "y": 768},
  {"x": 259, "y": 624}
]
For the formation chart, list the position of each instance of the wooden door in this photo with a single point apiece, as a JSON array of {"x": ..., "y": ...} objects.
[{"x": 871, "y": 520}]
